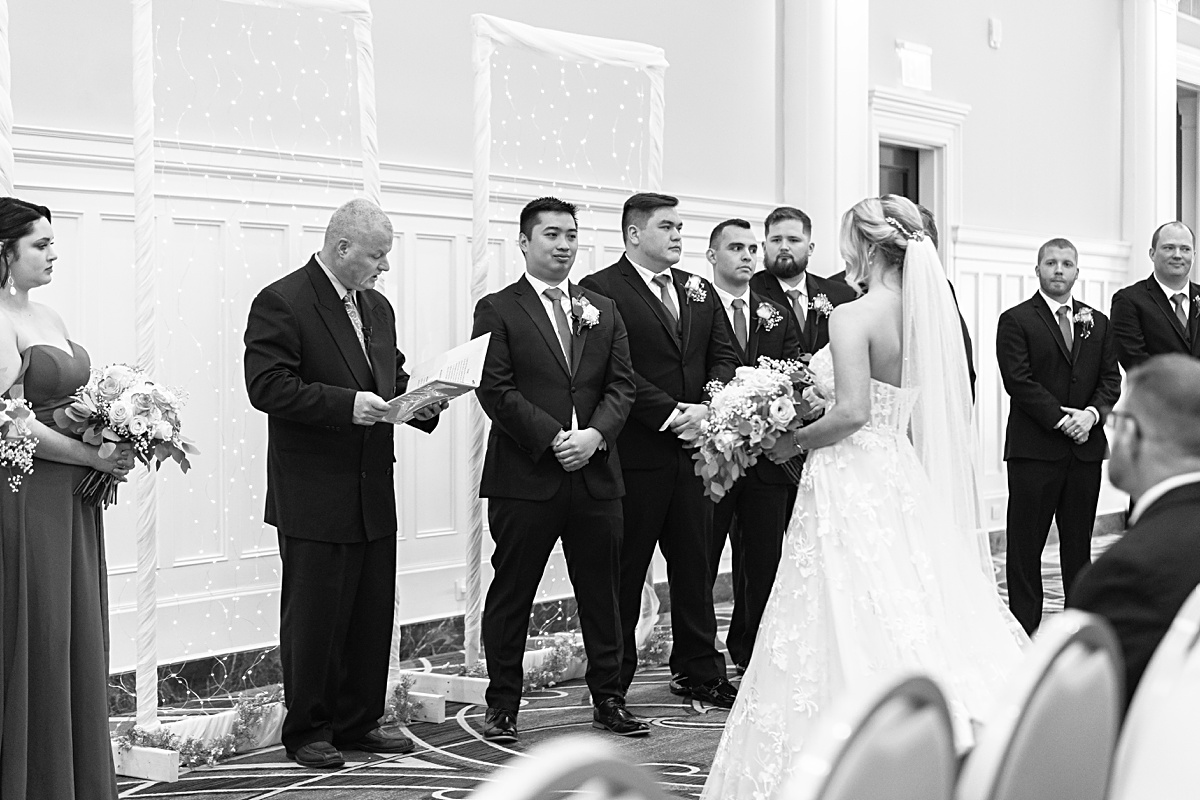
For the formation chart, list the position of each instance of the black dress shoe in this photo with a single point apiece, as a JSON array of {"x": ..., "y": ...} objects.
[
  {"x": 500, "y": 726},
  {"x": 317, "y": 755},
  {"x": 717, "y": 691},
  {"x": 610, "y": 714},
  {"x": 383, "y": 740}
]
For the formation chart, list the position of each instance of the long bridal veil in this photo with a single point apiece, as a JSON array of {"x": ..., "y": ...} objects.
[{"x": 936, "y": 364}]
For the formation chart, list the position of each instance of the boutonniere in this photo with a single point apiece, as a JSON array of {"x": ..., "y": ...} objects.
[
  {"x": 821, "y": 305},
  {"x": 584, "y": 313},
  {"x": 768, "y": 316},
  {"x": 1084, "y": 318},
  {"x": 696, "y": 293}
]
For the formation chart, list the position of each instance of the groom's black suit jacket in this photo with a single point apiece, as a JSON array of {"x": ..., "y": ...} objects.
[
  {"x": 528, "y": 390},
  {"x": 816, "y": 330},
  {"x": 328, "y": 479},
  {"x": 1145, "y": 325},
  {"x": 1041, "y": 376}
]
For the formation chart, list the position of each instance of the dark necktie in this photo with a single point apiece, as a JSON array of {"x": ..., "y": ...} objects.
[
  {"x": 1064, "y": 325},
  {"x": 739, "y": 322},
  {"x": 798, "y": 306},
  {"x": 1179, "y": 312},
  {"x": 666, "y": 293},
  {"x": 355, "y": 319},
  {"x": 560, "y": 320}
]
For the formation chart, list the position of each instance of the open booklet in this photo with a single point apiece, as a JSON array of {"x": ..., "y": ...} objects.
[{"x": 451, "y": 374}]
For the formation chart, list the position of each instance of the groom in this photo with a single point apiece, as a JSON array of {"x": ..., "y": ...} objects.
[{"x": 557, "y": 386}]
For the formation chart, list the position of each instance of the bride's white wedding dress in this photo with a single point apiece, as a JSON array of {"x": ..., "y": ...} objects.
[{"x": 875, "y": 577}]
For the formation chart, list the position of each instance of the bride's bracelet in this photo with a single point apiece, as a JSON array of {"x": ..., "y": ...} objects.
[{"x": 796, "y": 440}]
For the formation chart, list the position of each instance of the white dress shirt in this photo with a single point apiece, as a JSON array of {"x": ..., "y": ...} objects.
[
  {"x": 1155, "y": 492},
  {"x": 1070, "y": 306},
  {"x": 1170, "y": 293},
  {"x": 338, "y": 286},
  {"x": 540, "y": 286},
  {"x": 727, "y": 303}
]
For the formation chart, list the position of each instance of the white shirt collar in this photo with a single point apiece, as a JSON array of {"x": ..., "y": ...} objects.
[
  {"x": 802, "y": 285},
  {"x": 540, "y": 286},
  {"x": 338, "y": 286},
  {"x": 1055, "y": 305},
  {"x": 1155, "y": 492},
  {"x": 727, "y": 298},
  {"x": 649, "y": 276},
  {"x": 1169, "y": 292}
]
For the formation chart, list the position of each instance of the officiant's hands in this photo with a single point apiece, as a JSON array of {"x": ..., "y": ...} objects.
[
  {"x": 429, "y": 412},
  {"x": 369, "y": 408},
  {"x": 574, "y": 449}
]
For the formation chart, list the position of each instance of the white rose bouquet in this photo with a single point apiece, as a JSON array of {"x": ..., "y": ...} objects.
[
  {"x": 120, "y": 404},
  {"x": 747, "y": 416},
  {"x": 17, "y": 442}
]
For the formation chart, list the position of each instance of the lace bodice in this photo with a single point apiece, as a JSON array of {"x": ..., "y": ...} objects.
[{"x": 891, "y": 406}]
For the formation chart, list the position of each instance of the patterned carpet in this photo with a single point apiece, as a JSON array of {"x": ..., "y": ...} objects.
[{"x": 452, "y": 758}]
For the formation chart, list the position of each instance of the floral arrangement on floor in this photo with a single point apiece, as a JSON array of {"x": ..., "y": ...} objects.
[
  {"x": 657, "y": 649},
  {"x": 566, "y": 654},
  {"x": 400, "y": 707},
  {"x": 120, "y": 404},
  {"x": 17, "y": 442},
  {"x": 747, "y": 416},
  {"x": 194, "y": 751}
]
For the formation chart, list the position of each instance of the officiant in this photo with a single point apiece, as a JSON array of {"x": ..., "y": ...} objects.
[{"x": 321, "y": 361}]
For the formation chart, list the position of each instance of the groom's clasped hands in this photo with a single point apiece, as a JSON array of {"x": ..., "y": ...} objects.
[{"x": 575, "y": 448}]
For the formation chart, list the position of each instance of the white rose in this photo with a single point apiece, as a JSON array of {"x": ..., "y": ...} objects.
[
  {"x": 163, "y": 431},
  {"x": 138, "y": 426},
  {"x": 782, "y": 411},
  {"x": 119, "y": 413}
]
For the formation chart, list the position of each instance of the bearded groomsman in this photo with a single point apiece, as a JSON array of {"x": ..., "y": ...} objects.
[
  {"x": 754, "y": 514},
  {"x": 557, "y": 385},
  {"x": 1059, "y": 366},
  {"x": 678, "y": 343},
  {"x": 786, "y": 280},
  {"x": 1162, "y": 313}
]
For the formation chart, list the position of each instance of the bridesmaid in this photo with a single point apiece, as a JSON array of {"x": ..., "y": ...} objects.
[{"x": 54, "y": 737}]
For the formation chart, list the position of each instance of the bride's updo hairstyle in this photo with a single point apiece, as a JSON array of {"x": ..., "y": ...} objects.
[
  {"x": 884, "y": 223},
  {"x": 16, "y": 221}
]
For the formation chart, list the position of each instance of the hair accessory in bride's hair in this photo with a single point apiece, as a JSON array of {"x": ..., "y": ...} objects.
[{"x": 913, "y": 235}]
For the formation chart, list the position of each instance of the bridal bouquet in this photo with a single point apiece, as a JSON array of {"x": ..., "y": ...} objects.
[
  {"x": 17, "y": 443},
  {"x": 747, "y": 416},
  {"x": 120, "y": 404}
]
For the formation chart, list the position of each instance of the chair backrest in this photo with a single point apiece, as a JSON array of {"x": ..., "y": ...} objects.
[
  {"x": 559, "y": 768},
  {"x": 1054, "y": 727},
  {"x": 891, "y": 741},
  {"x": 1156, "y": 752}
]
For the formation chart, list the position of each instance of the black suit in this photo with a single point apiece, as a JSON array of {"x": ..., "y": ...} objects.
[
  {"x": 754, "y": 514},
  {"x": 1142, "y": 581},
  {"x": 664, "y": 500},
  {"x": 1049, "y": 476},
  {"x": 529, "y": 391},
  {"x": 1145, "y": 324},
  {"x": 814, "y": 334},
  {"x": 331, "y": 496}
]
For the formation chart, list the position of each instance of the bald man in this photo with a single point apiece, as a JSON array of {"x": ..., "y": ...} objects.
[{"x": 321, "y": 362}]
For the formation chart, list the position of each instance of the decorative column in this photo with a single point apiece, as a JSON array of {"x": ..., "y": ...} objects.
[
  {"x": 825, "y": 118},
  {"x": 1149, "y": 44}
]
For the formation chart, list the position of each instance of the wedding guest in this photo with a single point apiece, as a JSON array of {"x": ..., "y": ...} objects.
[
  {"x": 787, "y": 247},
  {"x": 54, "y": 738},
  {"x": 1142, "y": 581},
  {"x": 677, "y": 344},
  {"x": 1162, "y": 313},
  {"x": 931, "y": 229},
  {"x": 321, "y": 362},
  {"x": 557, "y": 385},
  {"x": 755, "y": 511},
  {"x": 1059, "y": 367}
]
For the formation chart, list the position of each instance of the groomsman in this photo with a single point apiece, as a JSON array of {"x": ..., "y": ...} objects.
[
  {"x": 754, "y": 514},
  {"x": 678, "y": 343},
  {"x": 1058, "y": 363},
  {"x": 557, "y": 385},
  {"x": 1162, "y": 313},
  {"x": 786, "y": 280}
]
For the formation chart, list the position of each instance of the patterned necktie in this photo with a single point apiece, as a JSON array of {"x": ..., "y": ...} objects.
[
  {"x": 739, "y": 322},
  {"x": 799, "y": 306},
  {"x": 560, "y": 320},
  {"x": 1178, "y": 301},
  {"x": 1064, "y": 325},
  {"x": 666, "y": 294},
  {"x": 355, "y": 320}
]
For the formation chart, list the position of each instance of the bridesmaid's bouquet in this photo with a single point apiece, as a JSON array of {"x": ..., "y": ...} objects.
[
  {"x": 747, "y": 416},
  {"x": 120, "y": 404},
  {"x": 17, "y": 442}
]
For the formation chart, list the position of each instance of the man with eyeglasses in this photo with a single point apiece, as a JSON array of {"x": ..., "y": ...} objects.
[
  {"x": 1143, "y": 580},
  {"x": 1162, "y": 313},
  {"x": 1059, "y": 366}
]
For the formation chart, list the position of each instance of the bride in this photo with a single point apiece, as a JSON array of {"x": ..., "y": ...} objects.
[{"x": 880, "y": 568}]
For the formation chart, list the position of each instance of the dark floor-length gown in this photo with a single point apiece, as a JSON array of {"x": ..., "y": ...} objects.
[{"x": 54, "y": 740}]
